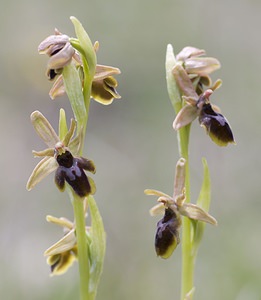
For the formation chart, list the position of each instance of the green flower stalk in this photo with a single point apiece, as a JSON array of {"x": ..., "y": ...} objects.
[
  {"x": 73, "y": 67},
  {"x": 189, "y": 87}
]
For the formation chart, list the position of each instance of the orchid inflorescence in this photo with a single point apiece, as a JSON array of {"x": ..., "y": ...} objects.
[{"x": 72, "y": 65}]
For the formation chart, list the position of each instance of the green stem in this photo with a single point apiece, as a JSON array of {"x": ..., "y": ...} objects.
[
  {"x": 84, "y": 267},
  {"x": 175, "y": 93},
  {"x": 187, "y": 277}
]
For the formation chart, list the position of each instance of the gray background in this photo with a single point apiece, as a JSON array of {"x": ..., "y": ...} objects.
[{"x": 134, "y": 147}]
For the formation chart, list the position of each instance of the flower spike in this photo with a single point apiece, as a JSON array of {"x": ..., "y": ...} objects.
[{"x": 167, "y": 234}]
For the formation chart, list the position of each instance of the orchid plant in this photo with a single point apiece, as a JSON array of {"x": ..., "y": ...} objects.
[
  {"x": 189, "y": 87},
  {"x": 73, "y": 67}
]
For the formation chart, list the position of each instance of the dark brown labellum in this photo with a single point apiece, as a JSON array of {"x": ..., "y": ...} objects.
[
  {"x": 216, "y": 125},
  {"x": 167, "y": 234},
  {"x": 71, "y": 170}
]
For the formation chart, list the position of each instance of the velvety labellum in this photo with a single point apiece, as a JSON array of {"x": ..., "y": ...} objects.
[
  {"x": 71, "y": 170},
  {"x": 216, "y": 125},
  {"x": 167, "y": 234}
]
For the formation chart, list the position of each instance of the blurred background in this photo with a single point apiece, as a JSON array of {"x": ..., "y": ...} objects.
[{"x": 134, "y": 147}]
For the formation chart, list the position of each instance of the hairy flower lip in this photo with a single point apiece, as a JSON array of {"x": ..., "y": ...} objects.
[
  {"x": 167, "y": 234},
  {"x": 209, "y": 117}
]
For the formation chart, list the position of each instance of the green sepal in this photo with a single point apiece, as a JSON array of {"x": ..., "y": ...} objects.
[
  {"x": 203, "y": 201},
  {"x": 44, "y": 129},
  {"x": 97, "y": 246}
]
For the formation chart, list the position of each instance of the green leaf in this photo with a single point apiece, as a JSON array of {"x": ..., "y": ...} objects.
[
  {"x": 172, "y": 87},
  {"x": 203, "y": 202},
  {"x": 84, "y": 46},
  {"x": 97, "y": 246},
  {"x": 73, "y": 87}
]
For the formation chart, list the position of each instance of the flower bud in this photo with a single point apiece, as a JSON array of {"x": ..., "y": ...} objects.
[{"x": 60, "y": 51}]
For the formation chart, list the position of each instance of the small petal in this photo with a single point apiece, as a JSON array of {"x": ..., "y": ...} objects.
[
  {"x": 44, "y": 129},
  {"x": 151, "y": 192},
  {"x": 179, "y": 180},
  {"x": 75, "y": 144},
  {"x": 70, "y": 133},
  {"x": 158, "y": 209},
  {"x": 46, "y": 166},
  {"x": 60, "y": 221},
  {"x": 63, "y": 128},
  {"x": 217, "y": 84}
]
